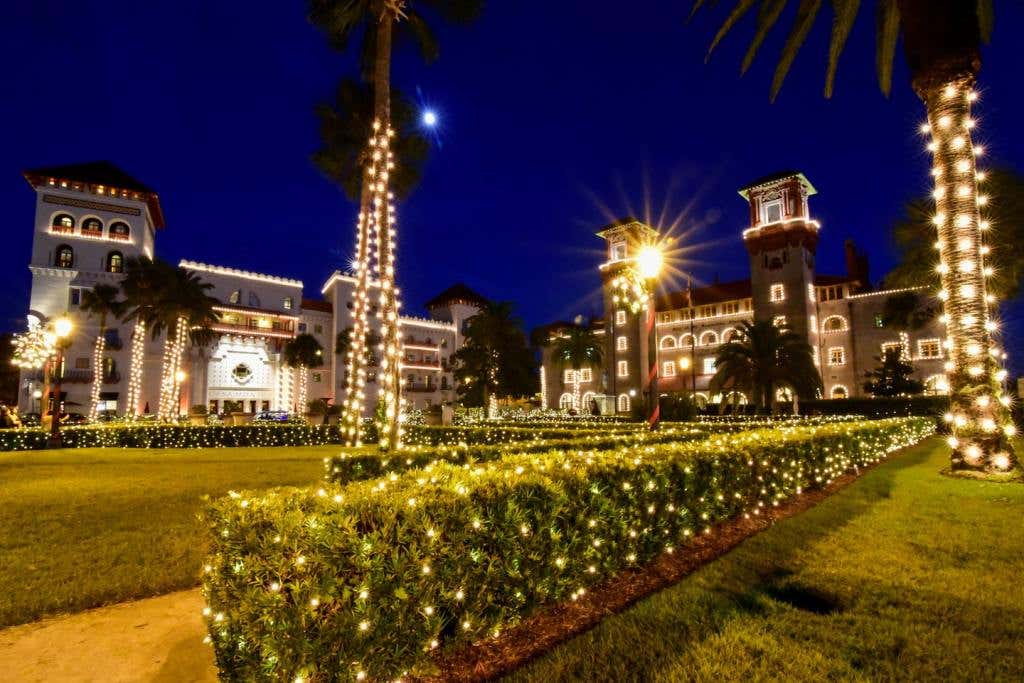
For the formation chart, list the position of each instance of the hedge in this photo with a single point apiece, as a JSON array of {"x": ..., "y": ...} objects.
[
  {"x": 174, "y": 436},
  {"x": 343, "y": 583},
  {"x": 931, "y": 406},
  {"x": 353, "y": 465}
]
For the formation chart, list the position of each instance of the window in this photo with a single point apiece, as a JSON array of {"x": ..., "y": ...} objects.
[
  {"x": 115, "y": 262},
  {"x": 708, "y": 338},
  {"x": 666, "y": 317},
  {"x": 287, "y": 303},
  {"x": 565, "y": 402},
  {"x": 668, "y": 369},
  {"x": 810, "y": 292},
  {"x": 82, "y": 363},
  {"x": 879, "y": 321},
  {"x": 623, "y": 403},
  {"x": 777, "y": 293},
  {"x": 730, "y": 334},
  {"x": 892, "y": 347},
  {"x": 686, "y": 341},
  {"x": 63, "y": 223},
  {"x": 302, "y": 327},
  {"x": 65, "y": 257},
  {"x": 936, "y": 384},
  {"x": 830, "y": 293},
  {"x": 621, "y": 344},
  {"x": 834, "y": 323},
  {"x": 814, "y": 324},
  {"x": 707, "y": 311},
  {"x": 730, "y": 307},
  {"x": 771, "y": 212},
  {"x": 119, "y": 231},
  {"x": 318, "y": 377},
  {"x": 75, "y": 296},
  {"x": 668, "y": 342},
  {"x": 622, "y": 369},
  {"x": 618, "y": 251},
  {"x": 709, "y": 366},
  {"x": 839, "y": 391},
  {"x": 929, "y": 348},
  {"x": 235, "y": 297},
  {"x": 837, "y": 355},
  {"x": 585, "y": 375},
  {"x": 318, "y": 329},
  {"x": 779, "y": 321},
  {"x": 254, "y": 300},
  {"x": 92, "y": 226},
  {"x": 568, "y": 376},
  {"x": 620, "y": 317}
]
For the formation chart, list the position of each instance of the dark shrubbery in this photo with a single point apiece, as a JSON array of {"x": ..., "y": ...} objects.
[
  {"x": 174, "y": 436},
  {"x": 930, "y": 406}
]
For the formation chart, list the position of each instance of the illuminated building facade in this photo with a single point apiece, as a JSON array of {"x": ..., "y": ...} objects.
[
  {"x": 840, "y": 315},
  {"x": 91, "y": 217}
]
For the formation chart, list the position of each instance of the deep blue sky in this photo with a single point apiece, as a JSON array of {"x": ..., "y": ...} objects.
[{"x": 549, "y": 110}]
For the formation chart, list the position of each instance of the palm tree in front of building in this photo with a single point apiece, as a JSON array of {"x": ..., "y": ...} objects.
[
  {"x": 144, "y": 280},
  {"x": 574, "y": 348},
  {"x": 763, "y": 358},
  {"x": 102, "y": 302},
  {"x": 942, "y": 47},
  {"x": 375, "y": 20},
  {"x": 303, "y": 353}
]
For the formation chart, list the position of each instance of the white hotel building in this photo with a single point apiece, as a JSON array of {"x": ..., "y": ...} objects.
[{"x": 91, "y": 217}]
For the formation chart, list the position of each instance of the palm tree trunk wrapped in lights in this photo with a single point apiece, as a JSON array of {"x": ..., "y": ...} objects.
[
  {"x": 355, "y": 379},
  {"x": 173, "y": 347},
  {"x": 135, "y": 369},
  {"x": 97, "y": 378}
]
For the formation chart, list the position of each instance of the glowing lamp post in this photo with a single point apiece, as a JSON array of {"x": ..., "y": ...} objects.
[{"x": 62, "y": 328}]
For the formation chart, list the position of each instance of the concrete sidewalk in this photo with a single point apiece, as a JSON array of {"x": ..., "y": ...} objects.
[{"x": 157, "y": 639}]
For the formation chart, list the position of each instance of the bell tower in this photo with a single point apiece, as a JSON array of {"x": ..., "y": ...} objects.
[
  {"x": 782, "y": 240},
  {"x": 626, "y": 353}
]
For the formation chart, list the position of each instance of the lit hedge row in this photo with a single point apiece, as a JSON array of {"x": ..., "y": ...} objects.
[
  {"x": 500, "y": 434},
  {"x": 175, "y": 436},
  {"x": 353, "y": 465},
  {"x": 343, "y": 583}
]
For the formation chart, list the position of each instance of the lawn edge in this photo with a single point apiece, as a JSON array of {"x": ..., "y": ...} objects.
[{"x": 563, "y": 621}]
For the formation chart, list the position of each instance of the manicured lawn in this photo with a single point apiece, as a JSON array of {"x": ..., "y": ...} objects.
[
  {"x": 81, "y": 528},
  {"x": 903, "y": 575}
]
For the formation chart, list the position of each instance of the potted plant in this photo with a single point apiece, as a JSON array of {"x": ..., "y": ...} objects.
[
  {"x": 315, "y": 411},
  {"x": 197, "y": 415}
]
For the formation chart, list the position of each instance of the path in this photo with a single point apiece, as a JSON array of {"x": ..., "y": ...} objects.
[{"x": 157, "y": 639}]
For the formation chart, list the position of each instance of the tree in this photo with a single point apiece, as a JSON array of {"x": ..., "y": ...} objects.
[
  {"x": 914, "y": 234},
  {"x": 374, "y": 21},
  {"x": 343, "y": 152},
  {"x": 893, "y": 376},
  {"x": 941, "y": 44},
  {"x": 763, "y": 358},
  {"x": 495, "y": 359},
  {"x": 303, "y": 352},
  {"x": 144, "y": 280},
  {"x": 907, "y": 311},
  {"x": 576, "y": 347},
  {"x": 102, "y": 302}
]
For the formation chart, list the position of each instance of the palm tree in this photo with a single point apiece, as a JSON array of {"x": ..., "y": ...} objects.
[
  {"x": 303, "y": 352},
  {"x": 101, "y": 302},
  {"x": 343, "y": 20},
  {"x": 914, "y": 233},
  {"x": 144, "y": 280},
  {"x": 941, "y": 43},
  {"x": 763, "y": 358},
  {"x": 495, "y": 361},
  {"x": 573, "y": 348}
]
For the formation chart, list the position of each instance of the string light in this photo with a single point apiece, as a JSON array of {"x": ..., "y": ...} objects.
[
  {"x": 135, "y": 370},
  {"x": 97, "y": 380}
]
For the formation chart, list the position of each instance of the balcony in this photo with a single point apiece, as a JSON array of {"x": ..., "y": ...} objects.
[
  {"x": 92, "y": 233},
  {"x": 120, "y": 236},
  {"x": 420, "y": 388},
  {"x": 63, "y": 229},
  {"x": 71, "y": 376}
]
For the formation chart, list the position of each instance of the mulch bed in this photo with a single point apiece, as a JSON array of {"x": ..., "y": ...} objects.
[{"x": 539, "y": 633}]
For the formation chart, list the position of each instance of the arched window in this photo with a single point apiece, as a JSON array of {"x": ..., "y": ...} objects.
[
  {"x": 92, "y": 226},
  {"x": 668, "y": 342},
  {"x": 834, "y": 323},
  {"x": 288, "y": 303},
  {"x": 585, "y": 401},
  {"x": 708, "y": 338},
  {"x": 565, "y": 402},
  {"x": 686, "y": 341},
  {"x": 784, "y": 395},
  {"x": 700, "y": 400},
  {"x": 115, "y": 262},
  {"x": 936, "y": 384},
  {"x": 236, "y": 297},
  {"x": 63, "y": 222},
  {"x": 64, "y": 257},
  {"x": 120, "y": 231},
  {"x": 730, "y": 334},
  {"x": 839, "y": 391},
  {"x": 623, "y": 403},
  {"x": 254, "y": 300}
]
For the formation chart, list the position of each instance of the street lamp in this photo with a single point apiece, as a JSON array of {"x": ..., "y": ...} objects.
[
  {"x": 62, "y": 328},
  {"x": 649, "y": 261}
]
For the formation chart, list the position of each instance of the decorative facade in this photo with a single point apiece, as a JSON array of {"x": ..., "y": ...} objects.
[
  {"x": 840, "y": 315},
  {"x": 90, "y": 218}
]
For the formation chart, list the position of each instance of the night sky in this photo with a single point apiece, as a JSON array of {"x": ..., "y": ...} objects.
[{"x": 555, "y": 117}]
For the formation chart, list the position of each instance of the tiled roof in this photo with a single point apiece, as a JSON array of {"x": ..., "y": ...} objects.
[
  {"x": 459, "y": 292},
  {"x": 317, "y": 305},
  {"x": 702, "y": 296},
  {"x": 98, "y": 173}
]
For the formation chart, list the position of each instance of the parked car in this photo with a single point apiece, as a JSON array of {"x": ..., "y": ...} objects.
[{"x": 271, "y": 416}]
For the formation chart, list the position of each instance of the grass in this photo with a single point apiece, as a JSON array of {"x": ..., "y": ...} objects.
[
  {"x": 86, "y": 527},
  {"x": 906, "y": 574}
]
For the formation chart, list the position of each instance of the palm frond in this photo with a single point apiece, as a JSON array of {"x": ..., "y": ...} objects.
[
  {"x": 423, "y": 36},
  {"x": 805, "y": 16},
  {"x": 842, "y": 23},
  {"x": 985, "y": 19},
  {"x": 770, "y": 12},
  {"x": 741, "y": 8},
  {"x": 887, "y": 34}
]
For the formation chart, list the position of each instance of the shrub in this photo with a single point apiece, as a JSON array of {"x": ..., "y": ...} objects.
[
  {"x": 175, "y": 436},
  {"x": 364, "y": 580},
  {"x": 932, "y": 406}
]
